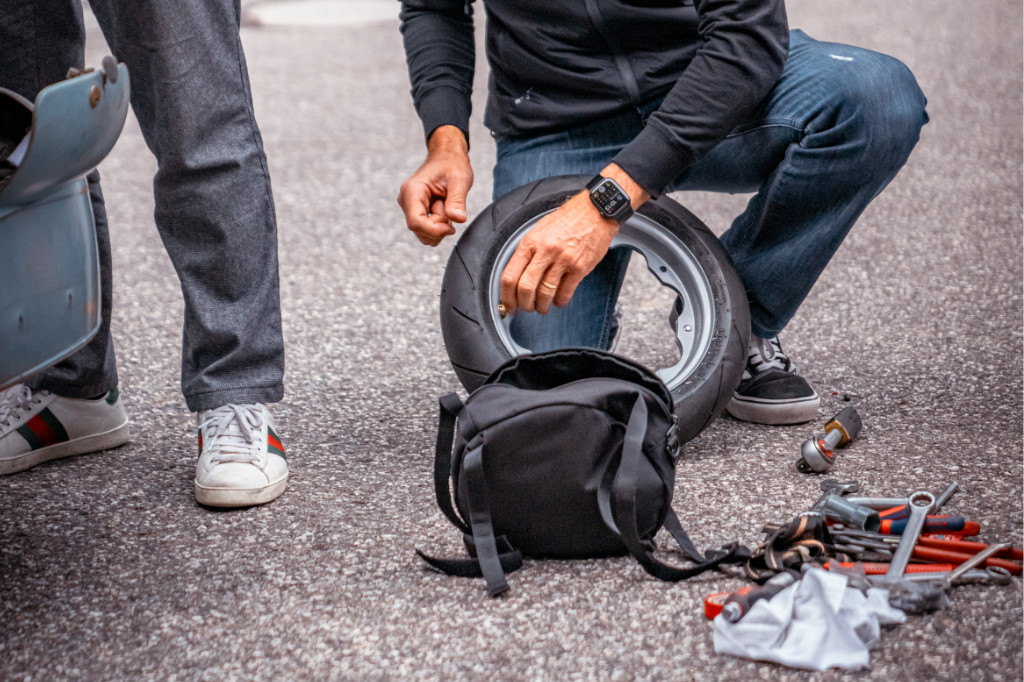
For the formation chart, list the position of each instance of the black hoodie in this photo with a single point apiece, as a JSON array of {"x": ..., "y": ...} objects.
[{"x": 557, "y": 64}]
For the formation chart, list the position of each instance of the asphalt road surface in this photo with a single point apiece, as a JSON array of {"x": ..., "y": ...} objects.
[{"x": 109, "y": 570}]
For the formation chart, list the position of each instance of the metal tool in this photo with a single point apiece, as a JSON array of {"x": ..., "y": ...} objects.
[
  {"x": 833, "y": 505},
  {"x": 920, "y": 504},
  {"x": 885, "y": 503},
  {"x": 993, "y": 574},
  {"x": 863, "y": 542},
  {"x": 925, "y": 553},
  {"x": 816, "y": 454},
  {"x": 878, "y": 503},
  {"x": 975, "y": 560},
  {"x": 942, "y": 499}
]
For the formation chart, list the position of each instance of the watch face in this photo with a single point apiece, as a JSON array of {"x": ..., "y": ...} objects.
[{"x": 608, "y": 197}]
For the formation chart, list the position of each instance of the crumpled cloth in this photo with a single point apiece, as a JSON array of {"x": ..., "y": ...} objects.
[{"x": 816, "y": 623}]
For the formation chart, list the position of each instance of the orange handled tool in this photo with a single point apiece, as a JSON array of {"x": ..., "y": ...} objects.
[
  {"x": 965, "y": 546},
  {"x": 881, "y": 569},
  {"x": 926, "y": 553}
]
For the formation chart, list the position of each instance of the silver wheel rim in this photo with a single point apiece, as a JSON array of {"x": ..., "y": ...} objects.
[{"x": 671, "y": 263}]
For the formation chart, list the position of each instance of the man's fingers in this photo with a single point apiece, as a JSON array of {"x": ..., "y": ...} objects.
[
  {"x": 455, "y": 202},
  {"x": 421, "y": 214},
  {"x": 510, "y": 277},
  {"x": 566, "y": 288},
  {"x": 530, "y": 283},
  {"x": 547, "y": 290}
]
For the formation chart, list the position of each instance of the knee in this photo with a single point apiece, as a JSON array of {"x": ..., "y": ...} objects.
[{"x": 886, "y": 106}]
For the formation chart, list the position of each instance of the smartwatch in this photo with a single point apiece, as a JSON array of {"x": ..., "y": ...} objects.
[{"x": 610, "y": 199}]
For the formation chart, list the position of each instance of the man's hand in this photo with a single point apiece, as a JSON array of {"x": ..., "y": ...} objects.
[
  {"x": 435, "y": 195},
  {"x": 561, "y": 249}
]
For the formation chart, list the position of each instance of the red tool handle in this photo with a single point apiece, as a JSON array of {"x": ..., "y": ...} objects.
[
  {"x": 955, "y": 525},
  {"x": 925, "y": 553},
  {"x": 881, "y": 569},
  {"x": 894, "y": 514},
  {"x": 958, "y": 545},
  {"x": 713, "y": 604}
]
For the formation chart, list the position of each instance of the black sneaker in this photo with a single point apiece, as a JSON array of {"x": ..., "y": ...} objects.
[{"x": 771, "y": 392}]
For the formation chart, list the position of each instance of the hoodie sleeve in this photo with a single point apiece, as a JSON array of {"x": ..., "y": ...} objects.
[
  {"x": 441, "y": 54},
  {"x": 744, "y": 51}
]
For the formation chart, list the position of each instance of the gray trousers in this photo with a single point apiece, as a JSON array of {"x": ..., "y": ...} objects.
[{"x": 214, "y": 208}]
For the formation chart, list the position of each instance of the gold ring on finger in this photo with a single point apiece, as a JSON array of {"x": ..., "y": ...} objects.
[{"x": 548, "y": 285}]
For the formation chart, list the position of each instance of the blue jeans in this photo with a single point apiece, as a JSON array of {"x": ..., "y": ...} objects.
[
  {"x": 833, "y": 132},
  {"x": 214, "y": 208}
]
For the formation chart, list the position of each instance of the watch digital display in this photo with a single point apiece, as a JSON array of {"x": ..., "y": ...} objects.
[{"x": 609, "y": 198}]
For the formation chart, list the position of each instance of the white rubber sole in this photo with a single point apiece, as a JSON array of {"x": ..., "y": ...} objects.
[
  {"x": 79, "y": 446},
  {"x": 239, "y": 497},
  {"x": 776, "y": 413}
]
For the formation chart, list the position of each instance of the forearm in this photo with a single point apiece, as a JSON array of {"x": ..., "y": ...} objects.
[
  {"x": 440, "y": 53},
  {"x": 744, "y": 51}
]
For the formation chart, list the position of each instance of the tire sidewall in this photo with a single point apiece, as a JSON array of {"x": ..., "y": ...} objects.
[{"x": 475, "y": 348}]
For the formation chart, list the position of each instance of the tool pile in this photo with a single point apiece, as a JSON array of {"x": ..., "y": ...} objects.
[
  {"x": 831, "y": 577},
  {"x": 890, "y": 539},
  {"x": 910, "y": 531},
  {"x": 834, "y": 575}
]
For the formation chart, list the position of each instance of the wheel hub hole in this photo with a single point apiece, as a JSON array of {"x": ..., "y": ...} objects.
[{"x": 645, "y": 304}]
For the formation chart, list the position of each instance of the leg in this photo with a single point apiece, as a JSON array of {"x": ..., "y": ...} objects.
[
  {"x": 215, "y": 214},
  {"x": 833, "y": 133},
  {"x": 835, "y": 130},
  {"x": 30, "y": 60},
  {"x": 588, "y": 319},
  {"x": 214, "y": 209}
]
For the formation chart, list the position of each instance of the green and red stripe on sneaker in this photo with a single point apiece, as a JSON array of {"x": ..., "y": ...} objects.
[
  {"x": 43, "y": 430},
  {"x": 274, "y": 446}
]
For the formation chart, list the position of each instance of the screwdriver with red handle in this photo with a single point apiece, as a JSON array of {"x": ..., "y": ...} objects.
[
  {"x": 957, "y": 544},
  {"x": 926, "y": 553},
  {"x": 878, "y": 568}
]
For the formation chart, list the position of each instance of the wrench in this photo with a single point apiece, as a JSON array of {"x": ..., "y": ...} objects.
[
  {"x": 941, "y": 500},
  {"x": 883, "y": 503},
  {"x": 863, "y": 543},
  {"x": 920, "y": 504},
  {"x": 976, "y": 560},
  {"x": 995, "y": 575}
]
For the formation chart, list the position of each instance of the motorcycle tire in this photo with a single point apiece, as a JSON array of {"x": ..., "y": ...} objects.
[{"x": 711, "y": 317}]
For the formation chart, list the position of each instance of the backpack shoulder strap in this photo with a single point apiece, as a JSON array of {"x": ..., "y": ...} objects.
[
  {"x": 625, "y": 512},
  {"x": 451, "y": 408},
  {"x": 480, "y": 521}
]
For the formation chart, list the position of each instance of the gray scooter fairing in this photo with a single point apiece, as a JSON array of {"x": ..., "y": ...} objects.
[{"x": 49, "y": 263}]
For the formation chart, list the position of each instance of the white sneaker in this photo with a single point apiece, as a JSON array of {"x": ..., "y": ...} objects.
[
  {"x": 241, "y": 459},
  {"x": 37, "y": 426}
]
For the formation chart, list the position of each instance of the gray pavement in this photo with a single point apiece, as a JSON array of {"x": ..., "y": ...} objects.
[{"x": 109, "y": 570}]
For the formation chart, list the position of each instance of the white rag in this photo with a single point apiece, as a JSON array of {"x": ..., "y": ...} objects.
[{"x": 816, "y": 623}]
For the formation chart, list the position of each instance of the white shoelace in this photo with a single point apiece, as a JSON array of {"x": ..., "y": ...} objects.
[
  {"x": 233, "y": 436},
  {"x": 766, "y": 354},
  {"x": 14, "y": 400}
]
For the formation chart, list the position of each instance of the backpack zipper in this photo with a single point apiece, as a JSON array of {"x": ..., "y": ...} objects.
[{"x": 621, "y": 61}]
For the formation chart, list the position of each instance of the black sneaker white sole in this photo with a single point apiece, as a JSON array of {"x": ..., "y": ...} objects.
[{"x": 775, "y": 412}]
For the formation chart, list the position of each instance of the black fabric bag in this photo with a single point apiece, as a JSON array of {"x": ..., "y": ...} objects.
[{"x": 568, "y": 454}]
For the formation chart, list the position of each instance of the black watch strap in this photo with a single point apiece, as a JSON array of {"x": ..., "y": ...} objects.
[{"x": 609, "y": 198}]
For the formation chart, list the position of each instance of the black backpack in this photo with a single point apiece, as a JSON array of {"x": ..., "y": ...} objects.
[{"x": 565, "y": 454}]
